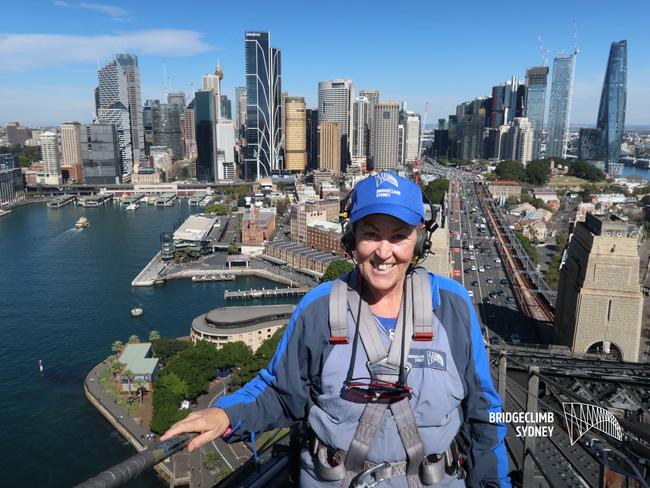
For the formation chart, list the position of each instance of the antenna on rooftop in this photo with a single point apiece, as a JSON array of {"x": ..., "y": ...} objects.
[
  {"x": 543, "y": 51},
  {"x": 165, "y": 88},
  {"x": 576, "y": 46}
]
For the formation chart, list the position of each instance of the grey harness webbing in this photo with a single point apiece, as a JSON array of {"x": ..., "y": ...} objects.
[{"x": 417, "y": 319}]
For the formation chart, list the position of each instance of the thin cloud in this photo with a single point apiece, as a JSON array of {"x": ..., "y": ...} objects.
[
  {"x": 61, "y": 3},
  {"x": 20, "y": 52},
  {"x": 112, "y": 11}
]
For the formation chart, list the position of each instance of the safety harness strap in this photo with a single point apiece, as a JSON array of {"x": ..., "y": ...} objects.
[
  {"x": 422, "y": 301},
  {"x": 338, "y": 309}
]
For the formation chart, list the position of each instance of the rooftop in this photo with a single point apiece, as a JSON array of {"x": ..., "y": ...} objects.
[
  {"x": 195, "y": 228},
  {"x": 135, "y": 360}
]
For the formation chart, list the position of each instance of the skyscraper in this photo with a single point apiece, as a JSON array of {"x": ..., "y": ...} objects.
[
  {"x": 113, "y": 109},
  {"x": 51, "y": 161},
  {"x": 536, "y": 82},
  {"x": 213, "y": 82},
  {"x": 205, "y": 117},
  {"x": 384, "y": 135},
  {"x": 176, "y": 98},
  {"x": 411, "y": 124},
  {"x": 100, "y": 154},
  {"x": 360, "y": 127},
  {"x": 611, "y": 113},
  {"x": 335, "y": 100},
  {"x": 226, "y": 108},
  {"x": 372, "y": 94},
  {"x": 591, "y": 147},
  {"x": 129, "y": 63},
  {"x": 71, "y": 149},
  {"x": 312, "y": 138},
  {"x": 263, "y": 106},
  {"x": 295, "y": 133},
  {"x": 559, "y": 110},
  {"x": 520, "y": 140},
  {"x": 167, "y": 127},
  {"x": 330, "y": 146},
  {"x": 240, "y": 104}
]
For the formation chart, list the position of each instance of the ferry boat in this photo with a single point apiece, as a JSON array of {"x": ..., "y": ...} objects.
[
  {"x": 4, "y": 212},
  {"x": 82, "y": 223},
  {"x": 132, "y": 207},
  {"x": 136, "y": 312}
]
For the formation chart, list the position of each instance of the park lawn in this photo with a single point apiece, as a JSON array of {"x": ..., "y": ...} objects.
[{"x": 572, "y": 181}]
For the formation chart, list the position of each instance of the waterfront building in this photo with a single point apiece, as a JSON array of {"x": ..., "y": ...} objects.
[
  {"x": 194, "y": 232},
  {"x": 143, "y": 175},
  {"x": 611, "y": 112},
  {"x": 51, "y": 162},
  {"x": 226, "y": 150},
  {"x": 205, "y": 119},
  {"x": 166, "y": 127},
  {"x": 559, "y": 111},
  {"x": 295, "y": 142},
  {"x": 361, "y": 127},
  {"x": 330, "y": 147},
  {"x": 226, "y": 108},
  {"x": 311, "y": 116},
  {"x": 113, "y": 95},
  {"x": 536, "y": 82},
  {"x": 12, "y": 187},
  {"x": 310, "y": 261},
  {"x": 335, "y": 102},
  {"x": 213, "y": 82},
  {"x": 384, "y": 135},
  {"x": 263, "y": 107},
  {"x": 251, "y": 325},
  {"x": 161, "y": 159},
  {"x": 71, "y": 150},
  {"x": 326, "y": 237},
  {"x": 100, "y": 154},
  {"x": 129, "y": 64},
  {"x": 139, "y": 360},
  {"x": 599, "y": 302}
]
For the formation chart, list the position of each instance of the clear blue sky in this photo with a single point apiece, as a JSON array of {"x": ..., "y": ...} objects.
[{"x": 437, "y": 51}]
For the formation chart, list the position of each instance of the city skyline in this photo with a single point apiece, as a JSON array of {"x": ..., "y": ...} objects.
[{"x": 81, "y": 38}]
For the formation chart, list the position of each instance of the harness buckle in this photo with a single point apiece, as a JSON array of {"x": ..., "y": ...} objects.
[
  {"x": 383, "y": 367},
  {"x": 366, "y": 478},
  {"x": 423, "y": 336},
  {"x": 338, "y": 340}
]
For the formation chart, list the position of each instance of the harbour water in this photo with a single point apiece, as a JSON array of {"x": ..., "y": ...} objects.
[
  {"x": 65, "y": 296},
  {"x": 632, "y": 170}
]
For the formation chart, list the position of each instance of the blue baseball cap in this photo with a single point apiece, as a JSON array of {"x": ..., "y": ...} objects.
[{"x": 387, "y": 193}]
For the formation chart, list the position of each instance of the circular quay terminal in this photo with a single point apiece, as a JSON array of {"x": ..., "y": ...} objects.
[
  {"x": 458, "y": 226},
  {"x": 250, "y": 325}
]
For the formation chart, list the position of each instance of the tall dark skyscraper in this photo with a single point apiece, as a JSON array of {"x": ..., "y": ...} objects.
[
  {"x": 263, "y": 107},
  {"x": 611, "y": 113},
  {"x": 312, "y": 139},
  {"x": 559, "y": 110},
  {"x": 205, "y": 117},
  {"x": 536, "y": 83}
]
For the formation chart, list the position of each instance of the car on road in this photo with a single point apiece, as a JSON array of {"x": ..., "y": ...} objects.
[
  {"x": 486, "y": 266},
  {"x": 473, "y": 268},
  {"x": 466, "y": 270},
  {"x": 471, "y": 293},
  {"x": 489, "y": 281},
  {"x": 474, "y": 283},
  {"x": 497, "y": 260},
  {"x": 487, "y": 300},
  {"x": 504, "y": 281},
  {"x": 465, "y": 260},
  {"x": 510, "y": 299},
  {"x": 481, "y": 269}
]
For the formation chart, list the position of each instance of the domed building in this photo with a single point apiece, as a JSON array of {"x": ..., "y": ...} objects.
[{"x": 250, "y": 325}]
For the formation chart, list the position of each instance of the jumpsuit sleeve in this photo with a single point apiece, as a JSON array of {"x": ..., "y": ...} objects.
[
  {"x": 488, "y": 463},
  {"x": 278, "y": 395}
]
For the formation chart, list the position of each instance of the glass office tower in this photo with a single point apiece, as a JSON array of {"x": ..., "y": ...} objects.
[
  {"x": 263, "y": 107},
  {"x": 535, "y": 101},
  {"x": 205, "y": 119},
  {"x": 560, "y": 105},
  {"x": 611, "y": 113}
]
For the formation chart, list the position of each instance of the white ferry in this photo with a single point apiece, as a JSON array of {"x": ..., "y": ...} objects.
[
  {"x": 82, "y": 223},
  {"x": 4, "y": 212},
  {"x": 132, "y": 207}
]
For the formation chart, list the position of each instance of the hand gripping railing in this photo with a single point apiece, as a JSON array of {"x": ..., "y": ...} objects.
[{"x": 133, "y": 467}]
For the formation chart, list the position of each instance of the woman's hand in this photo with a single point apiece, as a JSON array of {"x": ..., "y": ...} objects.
[{"x": 209, "y": 423}]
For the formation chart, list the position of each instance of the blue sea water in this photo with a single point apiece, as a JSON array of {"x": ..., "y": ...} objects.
[
  {"x": 65, "y": 296},
  {"x": 632, "y": 170}
]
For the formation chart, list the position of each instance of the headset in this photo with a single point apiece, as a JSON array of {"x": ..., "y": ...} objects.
[{"x": 422, "y": 244}]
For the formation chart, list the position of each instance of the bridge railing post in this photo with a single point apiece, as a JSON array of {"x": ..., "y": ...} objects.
[
  {"x": 529, "y": 442},
  {"x": 503, "y": 374}
]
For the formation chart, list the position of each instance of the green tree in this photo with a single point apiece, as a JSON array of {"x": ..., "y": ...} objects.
[
  {"x": 168, "y": 392},
  {"x": 510, "y": 170},
  {"x": 117, "y": 347},
  {"x": 154, "y": 335},
  {"x": 217, "y": 208},
  {"x": 232, "y": 355},
  {"x": 528, "y": 247},
  {"x": 645, "y": 200},
  {"x": 538, "y": 171},
  {"x": 140, "y": 388},
  {"x": 336, "y": 269},
  {"x": 115, "y": 367},
  {"x": 130, "y": 376},
  {"x": 241, "y": 201},
  {"x": 586, "y": 171},
  {"x": 166, "y": 348},
  {"x": 233, "y": 248},
  {"x": 435, "y": 190},
  {"x": 211, "y": 460},
  {"x": 134, "y": 339},
  {"x": 267, "y": 349}
]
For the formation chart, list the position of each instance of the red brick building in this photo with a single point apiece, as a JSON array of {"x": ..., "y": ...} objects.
[{"x": 257, "y": 225}]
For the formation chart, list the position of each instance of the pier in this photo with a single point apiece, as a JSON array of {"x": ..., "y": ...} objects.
[
  {"x": 135, "y": 198},
  {"x": 166, "y": 200},
  {"x": 62, "y": 201},
  {"x": 264, "y": 293},
  {"x": 96, "y": 200},
  {"x": 149, "y": 275},
  {"x": 197, "y": 197}
]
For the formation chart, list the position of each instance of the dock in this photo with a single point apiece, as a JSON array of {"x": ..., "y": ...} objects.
[
  {"x": 62, "y": 201},
  {"x": 214, "y": 277},
  {"x": 149, "y": 275},
  {"x": 264, "y": 293},
  {"x": 166, "y": 200},
  {"x": 197, "y": 197},
  {"x": 135, "y": 198},
  {"x": 96, "y": 200}
]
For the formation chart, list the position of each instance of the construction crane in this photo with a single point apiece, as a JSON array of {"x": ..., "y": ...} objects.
[
  {"x": 543, "y": 51},
  {"x": 576, "y": 47}
]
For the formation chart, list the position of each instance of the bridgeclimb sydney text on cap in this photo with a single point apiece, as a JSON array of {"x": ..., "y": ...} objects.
[{"x": 387, "y": 193}]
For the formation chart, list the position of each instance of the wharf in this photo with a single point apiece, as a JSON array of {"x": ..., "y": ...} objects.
[
  {"x": 214, "y": 277},
  {"x": 166, "y": 200},
  {"x": 197, "y": 197},
  {"x": 150, "y": 274},
  {"x": 96, "y": 200},
  {"x": 264, "y": 293},
  {"x": 62, "y": 201},
  {"x": 135, "y": 198}
]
